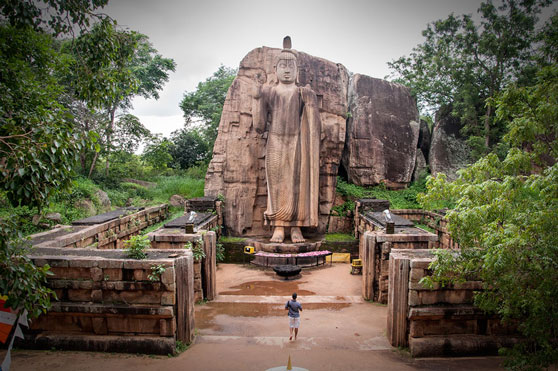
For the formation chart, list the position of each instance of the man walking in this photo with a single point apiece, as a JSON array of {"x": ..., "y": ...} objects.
[{"x": 294, "y": 308}]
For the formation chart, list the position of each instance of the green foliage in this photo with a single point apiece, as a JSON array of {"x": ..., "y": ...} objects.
[
  {"x": 135, "y": 246},
  {"x": 157, "y": 152},
  {"x": 199, "y": 254},
  {"x": 206, "y": 103},
  {"x": 156, "y": 272},
  {"x": 505, "y": 222},
  {"x": 172, "y": 185},
  {"x": 339, "y": 237},
  {"x": 399, "y": 199},
  {"x": 38, "y": 146},
  {"x": 464, "y": 63},
  {"x": 188, "y": 148},
  {"x": 229, "y": 239},
  {"x": 220, "y": 252},
  {"x": 22, "y": 281}
]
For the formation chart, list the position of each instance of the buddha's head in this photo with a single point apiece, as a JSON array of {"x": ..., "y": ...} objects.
[{"x": 286, "y": 68}]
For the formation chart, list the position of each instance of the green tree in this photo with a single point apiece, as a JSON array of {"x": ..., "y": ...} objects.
[
  {"x": 505, "y": 221},
  {"x": 204, "y": 105},
  {"x": 188, "y": 148},
  {"x": 465, "y": 64},
  {"x": 109, "y": 84},
  {"x": 157, "y": 152},
  {"x": 38, "y": 147}
]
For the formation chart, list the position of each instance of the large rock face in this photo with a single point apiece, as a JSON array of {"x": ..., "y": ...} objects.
[
  {"x": 382, "y": 133},
  {"x": 237, "y": 169},
  {"x": 449, "y": 151}
]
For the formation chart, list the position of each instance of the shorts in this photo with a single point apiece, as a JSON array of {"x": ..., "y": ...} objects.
[{"x": 294, "y": 322}]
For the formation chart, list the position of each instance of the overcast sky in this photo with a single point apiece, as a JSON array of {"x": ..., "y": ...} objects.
[{"x": 200, "y": 35}]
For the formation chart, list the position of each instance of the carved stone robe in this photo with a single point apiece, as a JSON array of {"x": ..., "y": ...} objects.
[{"x": 292, "y": 155}]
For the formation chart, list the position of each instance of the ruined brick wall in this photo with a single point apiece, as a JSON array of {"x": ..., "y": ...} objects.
[
  {"x": 109, "y": 235},
  {"x": 435, "y": 221},
  {"x": 375, "y": 248},
  {"x": 99, "y": 295},
  {"x": 441, "y": 321}
]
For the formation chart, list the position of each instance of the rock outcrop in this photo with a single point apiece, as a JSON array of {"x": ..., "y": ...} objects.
[
  {"x": 449, "y": 151},
  {"x": 382, "y": 133},
  {"x": 237, "y": 169}
]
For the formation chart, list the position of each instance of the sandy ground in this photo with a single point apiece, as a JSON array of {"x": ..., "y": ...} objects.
[{"x": 246, "y": 328}]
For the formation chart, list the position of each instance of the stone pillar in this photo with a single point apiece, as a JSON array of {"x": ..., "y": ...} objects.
[
  {"x": 184, "y": 270},
  {"x": 367, "y": 252},
  {"x": 209, "y": 265},
  {"x": 398, "y": 296}
]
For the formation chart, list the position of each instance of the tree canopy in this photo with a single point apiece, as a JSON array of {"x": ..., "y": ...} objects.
[
  {"x": 465, "y": 64},
  {"x": 505, "y": 221},
  {"x": 203, "y": 107}
]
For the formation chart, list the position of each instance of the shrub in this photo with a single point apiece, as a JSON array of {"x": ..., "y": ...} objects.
[{"x": 136, "y": 246}]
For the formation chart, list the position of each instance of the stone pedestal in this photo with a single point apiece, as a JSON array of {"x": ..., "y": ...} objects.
[{"x": 263, "y": 244}]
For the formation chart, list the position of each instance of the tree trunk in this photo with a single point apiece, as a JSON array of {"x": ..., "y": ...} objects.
[
  {"x": 108, "y": 141},
  {"x": 93, "y": 164}
]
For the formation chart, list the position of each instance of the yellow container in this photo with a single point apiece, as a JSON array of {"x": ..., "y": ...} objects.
[
  {"x": 249, "y": 250},
  {"x": 357, "y": 262}
]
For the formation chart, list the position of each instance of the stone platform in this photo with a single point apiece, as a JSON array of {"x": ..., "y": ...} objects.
[{"x": 263, "y": 244}]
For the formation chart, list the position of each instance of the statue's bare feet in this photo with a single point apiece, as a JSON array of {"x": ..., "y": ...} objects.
[
  {"x": 278, "y": 235},
  {"x": 296, "y": 235}
]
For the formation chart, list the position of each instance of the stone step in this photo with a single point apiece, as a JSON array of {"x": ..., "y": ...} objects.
[
  {"x": 302, "y": 343},
  {"x": 283, "y": 299}
]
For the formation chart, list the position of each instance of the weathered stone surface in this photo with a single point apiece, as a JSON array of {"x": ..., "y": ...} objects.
[
  {"x": 237, "y": 169},
  {"x": 54, "y": 217},
  {"x": 425, "y": 138},
  {"x": 420, "y": 166},
  {"x": 382, "y": 133},
  {"x": 86, "y": 205},
  {"x": 104, "y": 200},
  {"x": 448, "y": 151},
  {"x": 177, "y": 201}
]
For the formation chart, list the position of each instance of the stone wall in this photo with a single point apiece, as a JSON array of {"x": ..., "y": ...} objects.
[
  {"x": 204, "y": 269},
  {"x": 375, "y": 248},
  {"x": 105, "y": 301},
  {"x": 441, "y": 321},
  {"x": 109, "y": 235},
  {"x": 435, "y": 221},
  {"x": 340, "y": 224}
]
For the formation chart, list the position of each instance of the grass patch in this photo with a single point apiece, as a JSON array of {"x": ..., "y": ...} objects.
[
  {"x": 339, "y": 237},
  {"x": 425, "y": 227},
  {"x": 400, "y": 199},
  {"x": 177, "y": 213},
  {"x": 227, "y": 239},
  {"x": 175, "y": 185}
]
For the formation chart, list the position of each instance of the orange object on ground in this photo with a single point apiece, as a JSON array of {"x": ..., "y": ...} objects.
[{"x": 5, "y": 328}]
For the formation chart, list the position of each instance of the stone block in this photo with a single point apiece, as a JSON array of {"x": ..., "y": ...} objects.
[
  {"x": 167, "y": 327},
  {"x": 442, "y": 327},
  {"x": 133, "y": 325},
  {"x": 168, "y": 298},
  {"x": 99, "y": 325},
  {"x": 112, "y": 274},
  {"x": 79, "y": 295},
  {"x": 97, "y": 296},
  {"x": 96, "y": 274},
  {"x": 140, "y": 297},
  {"x": 141, "y": 274},
  {"x": 168, "y": 276},
  {"x": 70, "y": 273}
]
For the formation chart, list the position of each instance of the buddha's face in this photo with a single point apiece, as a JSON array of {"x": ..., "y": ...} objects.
[{"x": 286, "y": 71}]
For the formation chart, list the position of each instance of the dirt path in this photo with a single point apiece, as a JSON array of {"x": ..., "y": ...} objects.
[{"x": 246, "y": 328}]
